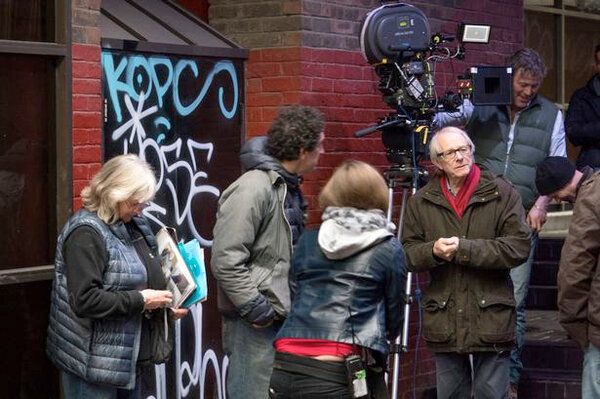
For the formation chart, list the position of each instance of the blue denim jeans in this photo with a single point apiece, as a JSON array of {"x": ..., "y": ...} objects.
[
  {"x": 77, "y": 388},
  {"x": 251, "y": 355},
  {"x": 485, "y": 378},
  {"x": 590, "y": 378},
  {"x": 520, "y": 276}
]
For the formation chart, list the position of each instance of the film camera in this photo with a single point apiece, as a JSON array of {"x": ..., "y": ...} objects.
[{"x": 396, "y": 40}]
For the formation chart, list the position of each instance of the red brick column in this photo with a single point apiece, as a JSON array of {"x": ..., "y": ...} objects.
[
  {"x": 87, "y": 96},
  {"x": 307, "y": 52}
]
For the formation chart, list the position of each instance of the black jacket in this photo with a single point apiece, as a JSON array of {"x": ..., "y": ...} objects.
[
  {"x": 583, "y": 124},
  {"x": 357, "y": 300}
]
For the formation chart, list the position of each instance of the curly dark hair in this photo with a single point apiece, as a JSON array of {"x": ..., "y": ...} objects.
[{"x": 296, "y": 127}]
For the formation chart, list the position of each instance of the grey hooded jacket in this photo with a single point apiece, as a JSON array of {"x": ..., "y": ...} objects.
[{"x": 253, "y": 238}]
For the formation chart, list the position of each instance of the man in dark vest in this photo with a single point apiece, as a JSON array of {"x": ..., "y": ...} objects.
[
  {"x": 511, "y": 141},
  {"x": 583, "y": 119}
]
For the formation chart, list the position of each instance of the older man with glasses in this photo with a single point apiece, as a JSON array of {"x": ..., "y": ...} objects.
[
  {"x": 467, "y": 228},
  {"x": 512, "y": 140}
]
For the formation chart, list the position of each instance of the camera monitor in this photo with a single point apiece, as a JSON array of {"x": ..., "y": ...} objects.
[{"x": 492, "y": 85}]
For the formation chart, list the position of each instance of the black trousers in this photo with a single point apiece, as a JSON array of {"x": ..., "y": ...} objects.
[{"x": 296, "y": 377}]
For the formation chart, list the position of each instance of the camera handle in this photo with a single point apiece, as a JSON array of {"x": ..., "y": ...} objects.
[{"x": 372, "y": 129}]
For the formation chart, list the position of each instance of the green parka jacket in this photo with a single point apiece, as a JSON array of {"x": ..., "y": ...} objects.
[
  {"x": 469, "y": 305},
  {"x": 252, "y": 244}
]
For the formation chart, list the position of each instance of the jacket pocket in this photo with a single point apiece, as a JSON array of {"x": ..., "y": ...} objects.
[
  {"x": 436, "y": 318},
  {"x": 496, "y": 319},
  {"x": 262, "y": 266}
]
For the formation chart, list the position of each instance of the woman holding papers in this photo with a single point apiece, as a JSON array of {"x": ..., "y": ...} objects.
[{"x": 107, "y": 314}]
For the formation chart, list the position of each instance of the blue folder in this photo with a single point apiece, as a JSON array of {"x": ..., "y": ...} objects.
[{"x": 194, "y": 257}]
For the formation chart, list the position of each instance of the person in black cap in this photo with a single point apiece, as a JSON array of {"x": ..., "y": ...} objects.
[
  {"x": 578, "y": 276},
  {"x": 556, "y": 177}
]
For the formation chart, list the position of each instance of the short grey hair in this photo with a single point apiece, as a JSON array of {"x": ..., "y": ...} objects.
[
  {"x": 434, "y": 149},
  {"x": 123, "y": 178},
  {"x": 529, "y": 61}
]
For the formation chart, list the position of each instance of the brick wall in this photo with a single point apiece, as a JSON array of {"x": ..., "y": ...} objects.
[
  {"x": 307, "y": 51},
  {"x": 87, "y": 97},
  {"x": 198, "y": 7}
]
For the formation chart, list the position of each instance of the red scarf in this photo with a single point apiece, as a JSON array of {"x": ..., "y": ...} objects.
[{"x": 459, "y": 203}]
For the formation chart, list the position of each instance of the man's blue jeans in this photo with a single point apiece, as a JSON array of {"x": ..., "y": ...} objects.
[
  {"x": 590, "y": 378},
  {"x": 520, "y": 276},
  {"x": 77, "y": 388},
  {"x": 251, "y": 356}
]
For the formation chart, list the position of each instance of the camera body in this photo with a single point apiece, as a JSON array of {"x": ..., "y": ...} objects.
[{"x": 396, "y": 40}]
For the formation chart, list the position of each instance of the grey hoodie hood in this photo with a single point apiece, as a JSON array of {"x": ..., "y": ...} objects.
[
  {"x": 254, "y": 155},
  {"x": 347, "y": 231}
]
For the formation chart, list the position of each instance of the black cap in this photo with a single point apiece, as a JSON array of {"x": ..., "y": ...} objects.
[{"x": 552, "y": 174}]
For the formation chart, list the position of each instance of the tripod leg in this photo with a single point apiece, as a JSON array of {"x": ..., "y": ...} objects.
[{"x": 401, "y": 342}]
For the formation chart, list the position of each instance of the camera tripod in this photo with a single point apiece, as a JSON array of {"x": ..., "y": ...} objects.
[
  {"x": 400, "y": 134},
  {"x": 407, "y": 178}
]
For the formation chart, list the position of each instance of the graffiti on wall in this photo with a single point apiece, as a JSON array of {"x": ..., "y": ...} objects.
[
  {"x": 191, "y": 373},
  {"x": 181, "y": 115},
  {"x": 145, "y": 98}
]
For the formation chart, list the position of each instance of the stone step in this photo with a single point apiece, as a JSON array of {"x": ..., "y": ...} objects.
[
  {"x": 542, "y": 297},
  {"x": 549, "y": 249},
  {"x": 542, "y": 286},
  {"x": 564, "y": 358},
  {"x": 545, "y": 386},
  {"x": 557, "y": 224},
  {"x": 552, "y": 362},
  {"x": 544, "y": 273}
]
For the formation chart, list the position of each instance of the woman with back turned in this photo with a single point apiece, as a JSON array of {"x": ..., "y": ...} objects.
[
  {"x": 347, "y": 281},
  {"x": 109, "y": 297}
]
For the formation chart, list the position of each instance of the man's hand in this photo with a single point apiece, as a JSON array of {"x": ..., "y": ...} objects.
[
  {"x": 446, "y": 248},
  {"x": 254, "y": 325},
  {"x": 261, "y": 314},
  {"x": 536, "y": 218},
  {"x": 154, "y": 299}
]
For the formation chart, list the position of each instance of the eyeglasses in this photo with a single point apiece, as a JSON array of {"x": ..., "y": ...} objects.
[
  {"x": 450, "y": 155},
  {"x": 139, "y": 205}
]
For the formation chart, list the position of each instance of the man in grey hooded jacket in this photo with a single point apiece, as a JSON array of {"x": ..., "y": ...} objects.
[{"x": 260, "y": 217}]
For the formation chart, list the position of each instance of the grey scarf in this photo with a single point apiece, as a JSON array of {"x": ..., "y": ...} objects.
[{"x": 347, "y": 231}]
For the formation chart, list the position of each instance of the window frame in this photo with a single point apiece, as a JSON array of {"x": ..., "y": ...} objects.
[
  {"x": 557, "y": 8},
  {"x": 60, "y": 143}
]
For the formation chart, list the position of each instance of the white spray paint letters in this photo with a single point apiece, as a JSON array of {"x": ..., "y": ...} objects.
[{"x": 139, "y": 88}]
